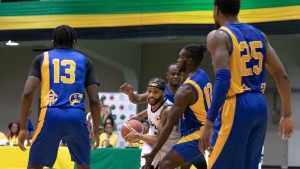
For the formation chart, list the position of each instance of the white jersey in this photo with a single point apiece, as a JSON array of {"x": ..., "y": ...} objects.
[{"x": 154, "y": 120}]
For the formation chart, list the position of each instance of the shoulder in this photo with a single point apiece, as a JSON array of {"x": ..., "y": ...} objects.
[
  {"x": 217, "y": 36},
  {"x": 184, "y": 91}
]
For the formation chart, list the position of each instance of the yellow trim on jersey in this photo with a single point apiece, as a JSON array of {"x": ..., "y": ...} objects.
[
  {"x": 198, "y": 107},
  {"x": 40, "y": 124},
  {"x": 45, "y": 82},
  {"x": 191, "y": 137},
  {"x": 118, "y": 20},
  {"x": 235, "y": 68},
  {"x": 227, "y": 120}
]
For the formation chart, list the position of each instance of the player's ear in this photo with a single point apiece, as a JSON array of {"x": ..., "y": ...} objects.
[
  {"x": 216, "y": 10},
  {"x": 189, "y": 60}
]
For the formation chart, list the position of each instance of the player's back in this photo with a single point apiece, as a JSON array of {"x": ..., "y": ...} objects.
[
  {"x": 63, "y": 74},
  {"x": 247, "y": 58},
  {"x": 195, "y": 115}
]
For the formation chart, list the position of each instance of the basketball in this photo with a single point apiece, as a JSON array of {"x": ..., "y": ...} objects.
[{"x": 135, "y": 124}]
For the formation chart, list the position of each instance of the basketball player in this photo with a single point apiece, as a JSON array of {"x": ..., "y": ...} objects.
[
  {"x": 174, "y": 82},
  {"x": 63, "y": 74},
  {"x": 191, "y": 100},
  {"x": 157, "y": 112},
  {"x": 240, "y": 54}
]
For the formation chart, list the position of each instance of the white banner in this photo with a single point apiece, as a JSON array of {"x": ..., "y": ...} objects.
[{"x": 122, "y": 110}]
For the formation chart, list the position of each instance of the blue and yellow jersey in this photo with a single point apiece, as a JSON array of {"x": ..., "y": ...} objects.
[
  {"x": 195, "y": 115},
  {"x": 64, "y": 74},
  {"x": 247, "y": 58}
]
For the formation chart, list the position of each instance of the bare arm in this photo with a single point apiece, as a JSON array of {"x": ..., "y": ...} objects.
[
  {"x": 218, "y": 46},
  {"x": 92, "y": 91},
  {"x": 183, "y": 97},
  {"x": 275, "y": 67},
  {"x": 30, "y": 86},
  {"x": 134, "y": 135},
  {"x": 163, "y": 120},
  {"x": 140, "y": 115},
  {"x": 134, "y": 98}
]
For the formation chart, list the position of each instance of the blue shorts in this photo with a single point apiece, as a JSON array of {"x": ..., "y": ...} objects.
[
  {"x": 54, "y": 125},
  {"x": 239, "y": 132},
  {"x": 187, "y": 146}
]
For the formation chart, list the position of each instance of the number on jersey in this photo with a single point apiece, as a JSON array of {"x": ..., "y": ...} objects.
[
  {"x": 246, "y": 58},
  {"x": 69, "y": 71}
]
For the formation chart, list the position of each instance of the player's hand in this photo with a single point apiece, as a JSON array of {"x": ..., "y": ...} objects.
[
  {"x": 286, "y": 127},
  {"x": 135, "y": 117},
  {"x": 204, "y": 142},
  {"x": 149, "y": 158},
  {"x": 126, "y": 88},
  {"x": 133, "y": 136},
  {"x": 95, "y": 137},
  {"x": 23, "y": 135}
]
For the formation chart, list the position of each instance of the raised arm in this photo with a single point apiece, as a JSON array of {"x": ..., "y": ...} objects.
[
  {"x": 275, "y": 67},
  {"x": 134, "y": 98}
]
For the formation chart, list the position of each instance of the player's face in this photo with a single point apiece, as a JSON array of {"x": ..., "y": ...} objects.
[
  {"x": 216, "y": 17},
  {"x": 173, "y": 76},
  {"x": 181, "y": 62},
  {"x": 146, "y": 127},
  {"x": 154, "y": 95}
]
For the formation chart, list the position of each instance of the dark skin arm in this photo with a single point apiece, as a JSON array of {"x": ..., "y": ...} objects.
[
  {"x": 275, "y": 67},
  {"x": 184, "y": 96},
  {"x": 218, "y": 46},
  {"x": 92, "y": 91},
  {"x": 30, "y": 86}
]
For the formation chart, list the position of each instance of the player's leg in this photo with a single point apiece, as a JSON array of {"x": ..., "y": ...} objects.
[
  {"x": 185, "y": 151},
  {"x": 172, "y": 160},
  {"x": 77, "y": 136},
  {"x": 200, "y": 163},
  {"x": 187, "y": 166},
  {"x": 45, "y": 142},
  {"x": 34, "y": 167},
  {"x": 257, "y": 134},
  {"x": 147, "y": 148},
  {"x": 230, "y": 136}
]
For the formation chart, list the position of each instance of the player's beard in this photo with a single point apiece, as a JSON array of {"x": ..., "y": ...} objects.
[
  {"x": 217, "y": 25},
  {"x": 155, "y": 101}
]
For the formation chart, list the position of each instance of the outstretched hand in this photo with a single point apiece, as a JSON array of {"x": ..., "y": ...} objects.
[{"x": 126, "y": 88}]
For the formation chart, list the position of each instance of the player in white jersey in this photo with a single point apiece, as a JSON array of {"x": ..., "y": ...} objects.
[{"x": 157, "y": 111}]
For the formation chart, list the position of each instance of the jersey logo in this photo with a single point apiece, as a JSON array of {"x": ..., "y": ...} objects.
[
  {"x": 75, "y": 98},
  {"x": 157, "y": 118},
  {"x": 52, "y": 97}
]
